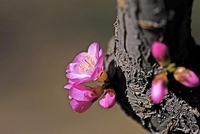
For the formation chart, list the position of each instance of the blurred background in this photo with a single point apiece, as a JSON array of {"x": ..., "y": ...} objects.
[{"x": 38, "y": 38}]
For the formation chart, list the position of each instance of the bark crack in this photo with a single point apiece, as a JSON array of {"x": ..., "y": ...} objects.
[{"x": 125, "y": 32}]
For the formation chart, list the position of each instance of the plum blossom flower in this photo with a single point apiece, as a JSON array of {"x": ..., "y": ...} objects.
[
  {"x": 158, "y": 88},
  {"x": 86, "y": 66},
  {"x": 160, "y": 52},
  {"x": 186, "y": 77},
  {"x": 81, "y": 98},
  {"x": 108, "y": 99}
]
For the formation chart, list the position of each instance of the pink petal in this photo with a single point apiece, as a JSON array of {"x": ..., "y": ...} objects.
[
  {"x": 80, "y": 81},
  {"x": 71, "y": 67},
  {"x": 80, "y": 106},
  {"x": 68, "y": 86},
  {"x": 100, "y": 62},
  {"x": 93, "y": 49},
  {"x": 101, "y": 53},
  {"x": 98, "y": 68},
  {"x": 77, "y": 75},
  {"x": 82, "y": 93},
  {"x": 79, "y": 57},
  {"x": 158, "y": 91},
  {"x": 186, "y": 77},
  {"x": 159, "y": 51},
  {"x": 108, "y": 99}
]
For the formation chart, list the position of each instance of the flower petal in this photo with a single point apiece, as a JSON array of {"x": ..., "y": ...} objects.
[
  {"x": 93, "y": 49},
  {"x": 82, "y": 93},
  {"x": 160, "y": 52},
  {"x": 80, "y": 106},
  {"x": 158, "y": 91},
  {"x": 98, "y": 68},
  {"x": 159, "y": 88},
  {"x": 68, "y": 86},
  {"x": 76, "y": 76},
  {"x": 108, "y": 99},
  {"x": 101, "y": 53},
  {"x": 186, "y": 77},
  {"x": 79, "y": 57},
  {"x": 71, "y": 67}
]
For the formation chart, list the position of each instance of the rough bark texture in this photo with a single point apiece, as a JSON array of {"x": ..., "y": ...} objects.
[{"x": 131, "y": 67}]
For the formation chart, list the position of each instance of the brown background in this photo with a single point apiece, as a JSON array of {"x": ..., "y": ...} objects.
[{"x": 37, "y": 40}]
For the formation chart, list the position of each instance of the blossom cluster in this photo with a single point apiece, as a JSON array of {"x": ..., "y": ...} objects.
[
  {"x": 183, "y": 75},
  {"x": 88, "y": 67}
]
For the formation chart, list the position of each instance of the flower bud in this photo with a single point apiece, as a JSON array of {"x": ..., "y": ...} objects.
[
  {"x": 186, "y": 77},
  {"x": 108, "y": 99},
  {"x": 158, "y": 89},
  {"x": 161, "y": 53}
]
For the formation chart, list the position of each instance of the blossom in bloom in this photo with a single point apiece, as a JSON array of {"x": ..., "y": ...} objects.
[
  {"x": 158, "y": 88},
  {"x": 86, "y": 66},
  {"x": 160, "y": 52},
  {"x": 186, "y": 77},
  {"x": 108, "y": 99},
  {"x": 81, "y": 97}
]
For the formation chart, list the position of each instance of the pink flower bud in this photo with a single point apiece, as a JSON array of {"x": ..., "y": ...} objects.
[
  {"x": 160, "y": 52},
  {"x": 158, "y": 89},
  {"x": 186, "y": 77},
  {"x": 108, "y": 99}
]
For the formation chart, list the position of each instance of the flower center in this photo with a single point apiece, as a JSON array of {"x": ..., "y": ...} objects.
[{"x": 87, "y": 64}]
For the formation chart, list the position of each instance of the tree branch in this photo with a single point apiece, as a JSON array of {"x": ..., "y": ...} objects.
[{"x": 131, "y": 67}]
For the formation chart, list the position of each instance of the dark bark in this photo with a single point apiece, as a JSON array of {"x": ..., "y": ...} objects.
[{"x": 131, "y": 67}]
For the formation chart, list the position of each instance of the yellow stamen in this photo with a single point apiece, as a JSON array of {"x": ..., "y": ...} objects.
[{"x": 87, "y": 63}]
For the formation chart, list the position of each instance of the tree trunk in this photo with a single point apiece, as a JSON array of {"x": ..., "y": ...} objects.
[{"x": 131, "y": 67}]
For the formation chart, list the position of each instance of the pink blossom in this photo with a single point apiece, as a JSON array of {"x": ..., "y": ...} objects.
[
  {"x": 108, "y": 99},
  {"x": 186, "y": 77},
  {"x": 86, "y": 66},
  {"x": 160, "y": 52},
  {"x": 81, "y": 97},
  {"x": 158, "y": 89}
]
